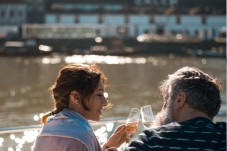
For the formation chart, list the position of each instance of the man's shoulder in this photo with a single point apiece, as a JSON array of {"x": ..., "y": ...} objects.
[
  {"x": 171, "y": 127},
  {"x": 176, "y": 127},
  {"x": 220, "y": 125},
  {"x": 168, "y": 126}
]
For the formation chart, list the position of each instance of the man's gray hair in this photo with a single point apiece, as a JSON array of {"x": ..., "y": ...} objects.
[{"x": 201, "y": 89}]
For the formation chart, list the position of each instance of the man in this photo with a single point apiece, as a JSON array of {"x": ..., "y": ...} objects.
[{"x": 191, "y": 100}]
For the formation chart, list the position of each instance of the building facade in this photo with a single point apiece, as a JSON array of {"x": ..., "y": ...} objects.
[{"x": 114, "y": 18}]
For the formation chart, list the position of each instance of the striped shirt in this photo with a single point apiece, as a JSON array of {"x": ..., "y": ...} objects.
[{"x": 198, "y": 134}]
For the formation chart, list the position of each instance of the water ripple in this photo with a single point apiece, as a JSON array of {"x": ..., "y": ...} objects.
[{"x": 104, "y": 59}]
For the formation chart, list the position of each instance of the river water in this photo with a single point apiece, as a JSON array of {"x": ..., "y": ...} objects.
[{"x": 133, "y": 82}]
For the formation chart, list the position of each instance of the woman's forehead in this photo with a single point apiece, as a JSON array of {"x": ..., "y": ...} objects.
[{"x": 100, "y": 86}]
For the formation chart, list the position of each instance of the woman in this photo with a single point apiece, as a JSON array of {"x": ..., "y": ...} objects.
[{"x": 78, "y": 97}]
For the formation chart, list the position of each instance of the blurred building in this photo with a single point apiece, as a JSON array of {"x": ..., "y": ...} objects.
[
  {"x": 13, "y": 13},
  {"x": 129, "y": 18},
  {"x": 80, "y": 19},
  {"x": 35, "y": 11}
]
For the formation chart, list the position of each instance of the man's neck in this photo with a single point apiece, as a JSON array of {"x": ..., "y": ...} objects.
[{"x": 190, "y": 114}]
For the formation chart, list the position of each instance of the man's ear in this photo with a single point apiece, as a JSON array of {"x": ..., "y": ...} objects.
[
  {"x": 180, "y": 100},
  {"x": 74, "y": 97}
]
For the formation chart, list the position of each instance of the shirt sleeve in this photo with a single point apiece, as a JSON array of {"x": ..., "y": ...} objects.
[{"x": 138, "y": 144}]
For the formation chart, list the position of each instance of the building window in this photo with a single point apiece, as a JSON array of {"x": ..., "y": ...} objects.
[
  {"x": 2, "y": 13},
  {"x": 100, "y": 19},
  {"x": 204, "y": 20},
  {"x": 11, "y": 13},
  {"x": 76, "y": 18},
  {"x": 98, "y": 32},
  {"x": 196, "y": 33},
  {"x": 58, "y": 18},
  {"x": 160, "y": 30},
  {"x": 20, "y": 13},
  {"x": 178, "y": 19},
  {"x": 151, "y": 19},
  {"x": 126, "y": 19}
]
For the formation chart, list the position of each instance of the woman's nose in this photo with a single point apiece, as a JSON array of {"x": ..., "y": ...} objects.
[{"x": 104, "y": 102}]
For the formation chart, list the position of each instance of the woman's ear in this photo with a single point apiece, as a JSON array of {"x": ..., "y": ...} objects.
[
  {"x": 180, "y": 100},
  {"x": 74, "y": 97}
]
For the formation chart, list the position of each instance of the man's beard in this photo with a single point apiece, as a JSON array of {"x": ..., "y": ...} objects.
[{"x": 164, "y": 116}]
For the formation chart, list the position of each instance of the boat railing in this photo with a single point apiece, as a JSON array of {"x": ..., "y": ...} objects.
[
  {"x": 19, "y": 129},
  {"x": 22, "y": 137}
]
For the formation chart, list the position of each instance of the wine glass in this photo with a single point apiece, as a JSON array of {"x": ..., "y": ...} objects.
[
  {"x": 132, "y": 121},
  {"x": 131, "y": 124},
  {"x": 147, "y": 116}
]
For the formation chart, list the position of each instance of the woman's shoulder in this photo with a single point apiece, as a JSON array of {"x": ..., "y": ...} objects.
[
  {"x": 51, "y": 143},
  {"x": 69, "y": 128}
]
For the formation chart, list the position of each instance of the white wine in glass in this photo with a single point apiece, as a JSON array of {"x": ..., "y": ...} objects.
[
  {"x": 131, "y": 124},
  {"x": 147, "y": 116},
  {"x": 131, "y": 127},
  {"x": 132, "y": 121}
]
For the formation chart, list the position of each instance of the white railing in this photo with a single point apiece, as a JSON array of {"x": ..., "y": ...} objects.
[
  {"x": 19, "y": 129},
  {"x": 22, "y": 137}
]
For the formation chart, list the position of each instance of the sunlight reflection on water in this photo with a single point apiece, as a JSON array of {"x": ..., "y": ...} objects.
[
  {"x": 104, "y": 59},
  {"x": 90, "y": 59},
  {"x": 52, "y": 60}
]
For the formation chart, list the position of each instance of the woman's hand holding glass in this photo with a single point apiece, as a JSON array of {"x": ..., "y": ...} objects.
[
  {"x": 117, "y": 138},
  {"x": 147, "y": 116}
]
